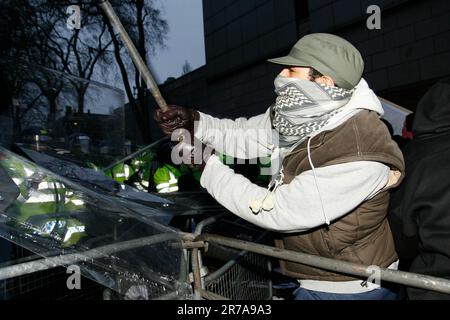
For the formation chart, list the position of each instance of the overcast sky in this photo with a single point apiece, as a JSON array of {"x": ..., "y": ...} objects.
[{"x": 185, "y": 39}]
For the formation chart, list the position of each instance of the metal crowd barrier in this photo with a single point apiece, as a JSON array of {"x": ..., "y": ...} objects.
[{"x": 245, "y": 272}]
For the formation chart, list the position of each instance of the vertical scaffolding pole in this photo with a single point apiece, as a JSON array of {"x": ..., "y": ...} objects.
[{"x": 135, "y": 56}]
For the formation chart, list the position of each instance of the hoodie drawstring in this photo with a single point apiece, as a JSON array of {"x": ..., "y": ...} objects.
[
  {"x": 267, "y": 203},
  {"x": 327, "y": 221}
]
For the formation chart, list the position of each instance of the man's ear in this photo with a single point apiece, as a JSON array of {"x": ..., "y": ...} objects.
[{"x": 326, "y": 80}]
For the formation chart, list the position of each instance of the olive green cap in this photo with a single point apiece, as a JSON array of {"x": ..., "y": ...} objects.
[{"x": 330, "y": 55}]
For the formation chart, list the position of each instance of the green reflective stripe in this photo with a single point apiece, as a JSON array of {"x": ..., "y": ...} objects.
[
  {"x": 76, "y": 202},
  {"x": 142, "y": 161},
  {"x": 18, "y": 181},
  {"x": 44, "y": 185},
  {"x": 28, "y": 172},
  {"x": 71, "y": 231},
  {"x": 170, "y": 184},
  {"x": 165, "y": 179},
  {"x": 39, "y": 198},
  {"x": 172, "y": 178},
  {"x": 121, "y": 172},
  {"x": 45, "y": 201},
  {"x": 137, "y": 164},
  {"x": 167, "y": 190},
  {"x": 165, "y": 174},
  {"x": 161, "y": 175},
  {"x": 174, "y": 170},
  {"x": 162, "y": 186}
]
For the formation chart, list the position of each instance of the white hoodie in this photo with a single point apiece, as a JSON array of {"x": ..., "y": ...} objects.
[{"x": 297, "y": 205}]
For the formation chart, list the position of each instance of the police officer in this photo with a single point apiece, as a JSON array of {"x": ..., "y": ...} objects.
[{"x": 165, "y": 174}]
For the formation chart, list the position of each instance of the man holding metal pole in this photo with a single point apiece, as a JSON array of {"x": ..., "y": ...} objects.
[{"x": 329, "y": 196}]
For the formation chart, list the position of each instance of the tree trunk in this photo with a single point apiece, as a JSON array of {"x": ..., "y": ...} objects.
[
  {"x": 141, "y": 85},
  {"x": 81, "y": 92},
  {"x": 52, "y": 110}
]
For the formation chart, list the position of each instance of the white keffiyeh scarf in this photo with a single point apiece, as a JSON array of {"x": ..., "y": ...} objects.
[{"x": 304, "y": 107}]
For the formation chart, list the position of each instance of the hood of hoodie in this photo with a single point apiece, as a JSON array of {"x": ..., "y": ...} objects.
[
  {"x": 433, "y": 111},
  {"x": 362, "y": 99}
]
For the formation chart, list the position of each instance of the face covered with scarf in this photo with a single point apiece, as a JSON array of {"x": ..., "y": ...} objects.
[{"x": 303, "y": 107}]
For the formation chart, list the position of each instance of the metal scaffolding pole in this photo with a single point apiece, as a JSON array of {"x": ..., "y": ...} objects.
[
  {"x": 134, "y": 53},
  {"x": 221, "y": 271},
  {"x": 401, "y": 277},
  {"x": 134, "y": 154},
  {"x": 68, "y": 259}
]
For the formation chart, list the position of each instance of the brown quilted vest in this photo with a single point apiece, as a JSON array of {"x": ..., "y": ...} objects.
[{"x": 362, "y": 236}]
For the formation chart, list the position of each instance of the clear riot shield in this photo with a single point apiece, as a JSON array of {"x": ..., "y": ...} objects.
[
  {"x": 132, "y": 254},
  {"x": 62, "y": 203}
]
